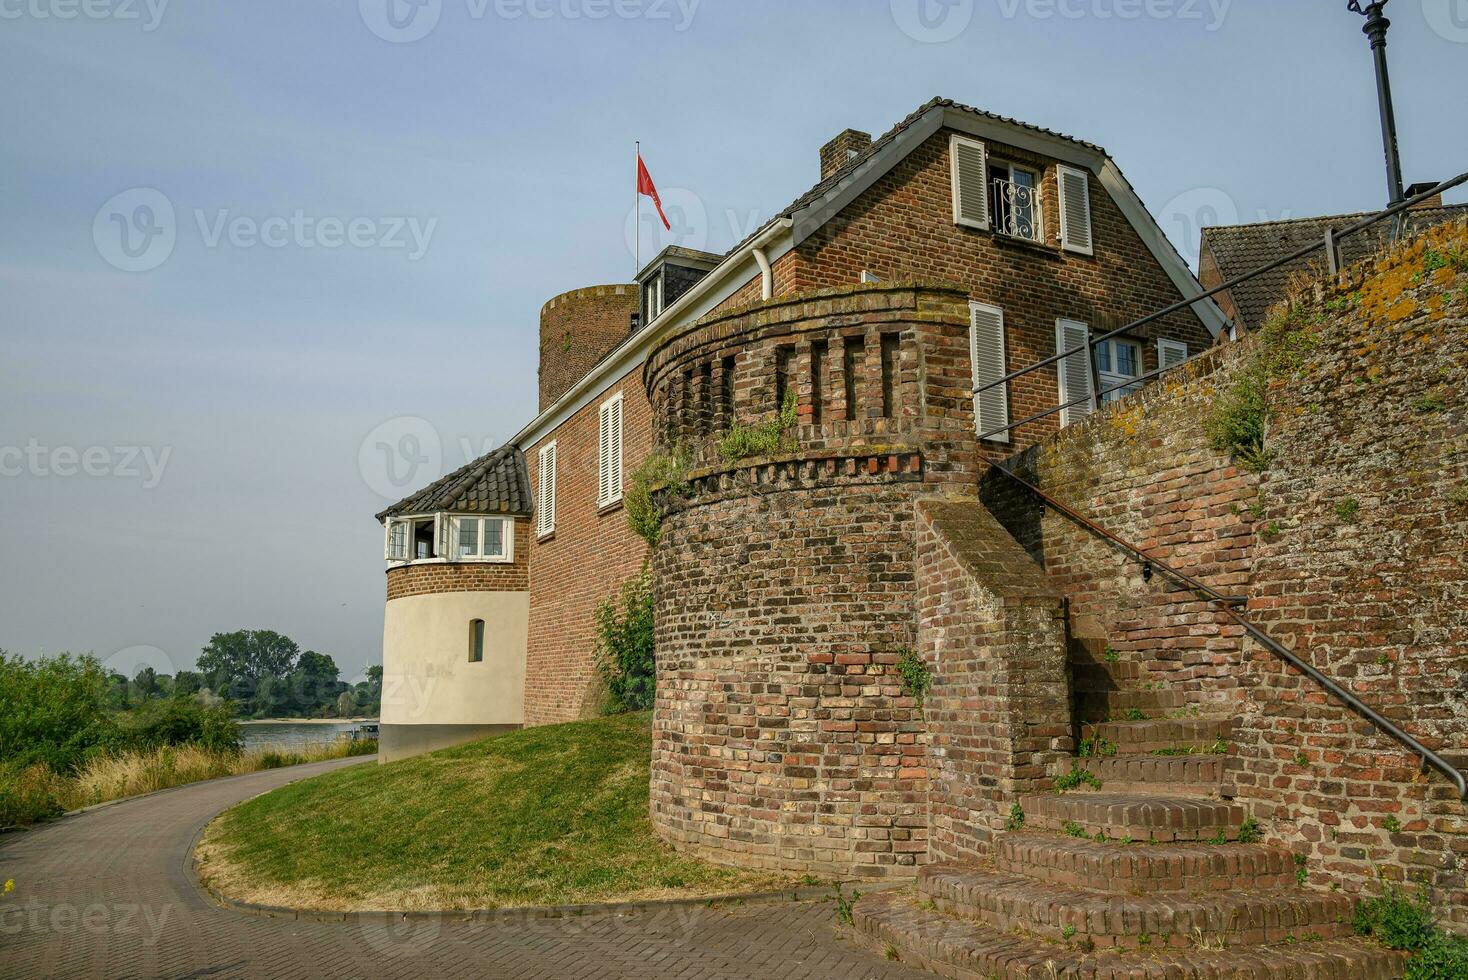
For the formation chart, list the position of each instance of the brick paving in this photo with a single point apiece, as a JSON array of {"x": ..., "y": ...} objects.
[{"x": 110, "y": 894}]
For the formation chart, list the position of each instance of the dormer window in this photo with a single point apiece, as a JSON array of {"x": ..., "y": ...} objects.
[{"x": 450, "y": 538}]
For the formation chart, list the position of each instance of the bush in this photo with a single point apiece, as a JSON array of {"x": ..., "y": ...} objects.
[
  {"x": 362, "y": 746},
  {"x": 177, "y": 721},
  {"x": 52, "y": 710},
  {"x": 275, "y": 759},
  {"x": 1442, "y": 957},
  {"x": 624, "y": 644},
  {"x": 27, "y": 794}
]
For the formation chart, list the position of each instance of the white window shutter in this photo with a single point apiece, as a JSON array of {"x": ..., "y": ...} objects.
[
  {"x": 614, "y": 479},
  {"x": 986, "y": 349},
  {"x": 1075, "y": 210},
  {"x": 545, "y": 504},
  {"x": 967, "y": 159},
  {"x": 441, "y": 527},
  {"x": 603, "y": 454},
  {"x": 397, "y": 541},
  {"x": 1171, "y": 353},
  {"x": 1075, "y": 370}
]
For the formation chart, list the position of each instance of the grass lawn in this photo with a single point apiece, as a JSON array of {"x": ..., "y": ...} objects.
[{"x": 545, "y": 816}]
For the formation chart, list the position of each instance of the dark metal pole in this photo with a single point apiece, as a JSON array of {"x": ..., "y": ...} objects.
[{"x": 1376, "y": 28}]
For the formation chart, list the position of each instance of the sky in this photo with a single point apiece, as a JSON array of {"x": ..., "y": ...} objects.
[{"x": 268, "y": 266}]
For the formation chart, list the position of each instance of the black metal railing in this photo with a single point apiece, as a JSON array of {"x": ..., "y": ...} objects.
[
  {"x": 1330, "y": 243},
  {"x": 1228, "y": 604}
]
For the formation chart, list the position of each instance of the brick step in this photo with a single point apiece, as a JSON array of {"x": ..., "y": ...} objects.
[
  {"x": 961, "y": 950},
  {"x": 1143, "y": 868},
  {"x": 1240, "y": 917},
  {"x": 1101, "y": 705},
  {"x": 1139, "y": 817},
  {"x": 1176, "y": 775},
  {"x": 1145, "y": 737}
]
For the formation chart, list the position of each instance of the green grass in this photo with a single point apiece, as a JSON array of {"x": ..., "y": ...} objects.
[{"x": 545, "y": 816}]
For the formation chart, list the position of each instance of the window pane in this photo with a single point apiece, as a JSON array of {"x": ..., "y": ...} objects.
[
  {"x": 494, "y": 539},
  {"x": 476, "y": 641},
  {"x": 1103, "y": 356},
  {"x": 1126, "y": 360},
  {"x": 468, "y": 536}
]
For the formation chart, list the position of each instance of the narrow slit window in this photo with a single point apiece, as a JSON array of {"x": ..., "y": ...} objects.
[
  {"x": 687, "y": 407},
  {"x": 818, "y": 350},
  {"x": 706, "y": 399},
  {"x": 728, "y": 392},
  {"x": 890, "y": 352},
  {"x": 783, "y": 358},
  {"x": 476, "y": 641},
  {"x": 852, "y": 361}
]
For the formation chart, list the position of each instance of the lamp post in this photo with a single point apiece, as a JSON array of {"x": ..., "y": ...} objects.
[{"x": 1375, "y": 29}]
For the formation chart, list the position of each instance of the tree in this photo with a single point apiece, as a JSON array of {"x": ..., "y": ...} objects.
[
  {"x": 187, "y": 682},
  {"x": 235, "y": 663},
  {"x": 146, "y": 682},
  {"x": 314, "y": 682}
]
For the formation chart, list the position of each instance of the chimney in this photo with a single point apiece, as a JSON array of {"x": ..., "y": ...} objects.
[
  {"x": 840, "y": 151},
  {"x": 1435, "y": 201}
]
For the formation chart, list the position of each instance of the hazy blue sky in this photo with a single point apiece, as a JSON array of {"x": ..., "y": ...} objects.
[{"x": 248, "y": 375}]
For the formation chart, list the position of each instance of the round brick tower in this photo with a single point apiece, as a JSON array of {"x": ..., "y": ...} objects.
[
  {"x": 785, "y": 580},
  {"x": 579, "y": 328}
]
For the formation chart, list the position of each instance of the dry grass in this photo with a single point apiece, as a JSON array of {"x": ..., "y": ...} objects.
[{"x": 112, "y": 777}]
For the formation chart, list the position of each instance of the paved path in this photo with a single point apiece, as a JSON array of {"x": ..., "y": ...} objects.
[{"x": 109, "y": 894}]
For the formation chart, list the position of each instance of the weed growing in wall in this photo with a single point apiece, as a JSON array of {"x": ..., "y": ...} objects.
[
  {"x": 665, "y": 473},
  {"x": 1401, "y": 923},
  {"x": 916, "y": 678},
  {"x": 766, "y": 439},
  {"x": 1240, "y": 417}
]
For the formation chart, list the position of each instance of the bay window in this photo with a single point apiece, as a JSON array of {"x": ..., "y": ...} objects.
[{"x": 450, "y": 538}]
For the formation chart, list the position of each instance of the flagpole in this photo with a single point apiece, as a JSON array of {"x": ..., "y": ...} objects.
[{"x": 637, "y": 213}]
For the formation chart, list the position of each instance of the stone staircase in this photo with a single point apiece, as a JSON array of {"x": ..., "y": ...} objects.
[{"x": 1144, "y": 876}]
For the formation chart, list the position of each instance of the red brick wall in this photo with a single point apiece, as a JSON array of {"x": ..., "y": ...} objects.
[
  {"x": 466, "y": 576},
  {"x": 992, "y": 631},
  {"x": 587, "y": 559},
  {"x": 578, "y": 329},
  {"x": 902, "y": 229},
  {"x": 1349, "y": 547}
]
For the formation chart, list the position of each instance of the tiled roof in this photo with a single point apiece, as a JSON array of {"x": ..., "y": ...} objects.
[
  {"x": 1239, "y": 248},
  {"x": 495, "y": 484},
  {"x": 881, "y": 143}
]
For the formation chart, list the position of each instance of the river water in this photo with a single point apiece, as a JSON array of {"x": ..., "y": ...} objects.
[{"x": 294, "y": 735}]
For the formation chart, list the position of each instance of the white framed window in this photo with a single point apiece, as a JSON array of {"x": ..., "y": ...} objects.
[
  {"x": 1118, "y": 361},
  {"x": 1075, "y": 210},
  {"x": 609, "y": 452},
  {"x": 1074, "y": 370},
  {"x": 1171, "y": 353},
  {"x": 489, "y": 539},
  {"x": 968, "y": 164},
  {"x": 986, "y": 349},
  {"x": 545, "y": 493},
  {"x": 653, "y": 297}
]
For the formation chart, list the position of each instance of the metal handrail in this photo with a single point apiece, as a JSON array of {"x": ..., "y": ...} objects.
[
  {"x": 1330, "y": 241},
  {"x": 1429, "y": 757}
]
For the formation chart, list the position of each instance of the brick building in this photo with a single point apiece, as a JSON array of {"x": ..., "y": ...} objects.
[
  {"x": 835, "y": 390},
  {"x": 1043, "y": 239}
]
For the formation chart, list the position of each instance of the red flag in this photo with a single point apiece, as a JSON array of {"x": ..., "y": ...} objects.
[{"x": 646, "y": 186}]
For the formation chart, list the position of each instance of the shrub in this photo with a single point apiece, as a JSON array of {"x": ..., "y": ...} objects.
[
  {"x": 181, "y": 720},
  {"x": 1442, "y": 957},
  {"x": 52, "y": 710},
  {"x": 624, "y": 644},
  {"x": 362, "y": 746},
  {"x": 1397, "y": 921},
  {"x": 665, "y": 472},
  {"x": 1237, "y": 423}
]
